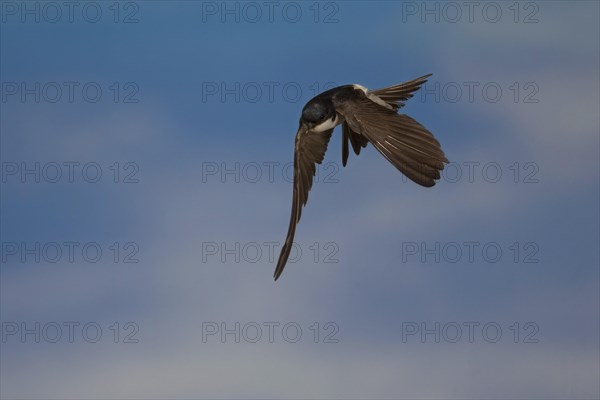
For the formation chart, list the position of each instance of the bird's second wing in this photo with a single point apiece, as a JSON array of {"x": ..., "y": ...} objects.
[
  {"x": 400, "y": 139},
  {"x": 396, "y": 95},
  {"x": 309, "y": 150}
]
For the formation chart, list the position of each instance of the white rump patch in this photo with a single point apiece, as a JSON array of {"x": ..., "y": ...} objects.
[
  {"x": 361, "y": 87},
  {"x": 374, "y": 98}
]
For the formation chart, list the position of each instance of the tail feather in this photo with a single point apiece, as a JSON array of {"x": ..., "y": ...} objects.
[{"x": 357, "y": 141}]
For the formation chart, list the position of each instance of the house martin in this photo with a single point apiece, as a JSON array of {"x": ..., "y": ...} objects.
[{"x": 367, "y": 116}]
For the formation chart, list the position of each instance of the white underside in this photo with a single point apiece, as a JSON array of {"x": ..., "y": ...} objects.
[
  {"x": 327, "y": 124},
  {"x": 372, "y": 96},
  {"x": 336, "y": 120}
]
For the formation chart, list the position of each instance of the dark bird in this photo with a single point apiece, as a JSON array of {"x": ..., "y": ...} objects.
[{"x": 366, "y": 116}]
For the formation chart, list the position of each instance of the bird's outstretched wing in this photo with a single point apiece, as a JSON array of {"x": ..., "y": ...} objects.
[
  {"x": 400, "y": 139},
  {"x": 309, "y": 150},
  {"x": 396, "y": 95}
]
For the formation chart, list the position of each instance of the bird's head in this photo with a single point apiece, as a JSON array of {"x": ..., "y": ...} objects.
[{"x": 316, "y": 112}]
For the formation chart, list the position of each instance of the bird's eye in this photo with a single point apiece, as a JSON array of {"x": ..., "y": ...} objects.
[{"x": 322, "y": 116}]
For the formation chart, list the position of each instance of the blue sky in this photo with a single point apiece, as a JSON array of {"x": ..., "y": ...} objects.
[{"x": 165, "y": 120}]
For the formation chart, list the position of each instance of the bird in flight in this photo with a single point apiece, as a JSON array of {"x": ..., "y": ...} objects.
[{"x": 366, "y": 116}]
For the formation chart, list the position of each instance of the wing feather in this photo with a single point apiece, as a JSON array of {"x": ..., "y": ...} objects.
[
  {"x": 309, "y": 150},
  {"x": 396, "y": 95},
  {"x": 405, "y": 143}
]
